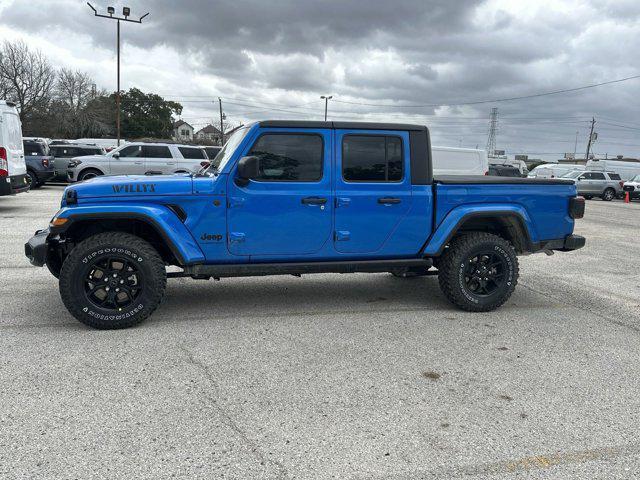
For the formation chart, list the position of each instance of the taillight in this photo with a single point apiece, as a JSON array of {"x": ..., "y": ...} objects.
[
  {"x": 576, "y": 207},
  {"x": 204, "y": 164},
  {"x": 4, "y": 165},
  {"x": 45, "y": 162}
]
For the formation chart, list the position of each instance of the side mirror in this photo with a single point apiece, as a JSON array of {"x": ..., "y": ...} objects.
[
  {"x": 581, "y": 178},
  {"x": 248, "y": 168},
  {"x": 116, "y": 155}
]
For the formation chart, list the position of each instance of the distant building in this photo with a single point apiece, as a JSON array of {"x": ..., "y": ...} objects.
[
  {"x": 210, "y": 133},
  {"x": 182, "y": 131}
]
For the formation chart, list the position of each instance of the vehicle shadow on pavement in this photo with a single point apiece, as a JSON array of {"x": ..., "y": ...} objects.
[{"x": 287, "y": 296}]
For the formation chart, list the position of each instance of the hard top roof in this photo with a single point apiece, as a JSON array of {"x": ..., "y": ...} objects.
[{"x": 340, "y": 125}]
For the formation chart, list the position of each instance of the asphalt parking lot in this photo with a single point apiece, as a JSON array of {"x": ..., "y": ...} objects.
[{"x": 329, "y": 376}]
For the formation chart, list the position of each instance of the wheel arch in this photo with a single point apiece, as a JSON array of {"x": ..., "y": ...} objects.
[
  {"x": 163, "y": 229},
  {"x": 508, "y": 224}
]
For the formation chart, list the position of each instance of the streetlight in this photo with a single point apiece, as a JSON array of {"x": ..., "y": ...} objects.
[
  {"x": 326, "y": 99},
  {"x": 126, "y": 11}
]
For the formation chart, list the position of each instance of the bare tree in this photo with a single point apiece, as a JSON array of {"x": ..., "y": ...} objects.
[
  {"x": 75, "y": 89},
  {"x": 27, "y": 76}
]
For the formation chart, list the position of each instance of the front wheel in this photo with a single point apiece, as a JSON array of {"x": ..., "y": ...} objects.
[
  {"x": 112, "y": 280},
  {"x": 478, "y": 272},
  {"x": 89, "y": 173}
]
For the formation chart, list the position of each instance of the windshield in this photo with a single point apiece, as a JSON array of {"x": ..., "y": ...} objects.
[
  {"x": 224, "y": 155},
  {"x": 574, "y": 174},
  {"x": 636, "y": 178}
]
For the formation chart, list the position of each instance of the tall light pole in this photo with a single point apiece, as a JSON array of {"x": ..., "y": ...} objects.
[
  {"x": 126, "y": 11},
  {"x": 222, "y": 117},
  {"x": 326, "y": 99}
]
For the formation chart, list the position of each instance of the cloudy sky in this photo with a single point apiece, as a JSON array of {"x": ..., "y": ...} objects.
[{"x": 381, "y": 60}]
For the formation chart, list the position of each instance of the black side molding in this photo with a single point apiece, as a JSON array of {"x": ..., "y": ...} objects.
[{"x": 262, "y": 269}]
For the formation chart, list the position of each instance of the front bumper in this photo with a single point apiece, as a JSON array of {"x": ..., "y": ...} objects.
[{"x": 36, "y": 248}]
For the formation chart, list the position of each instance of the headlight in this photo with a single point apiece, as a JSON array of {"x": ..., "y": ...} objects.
[{"x": 74, "y": 163}]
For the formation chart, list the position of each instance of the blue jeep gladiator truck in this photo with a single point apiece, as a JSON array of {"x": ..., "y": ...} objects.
[{"x": 295, "y": 197}]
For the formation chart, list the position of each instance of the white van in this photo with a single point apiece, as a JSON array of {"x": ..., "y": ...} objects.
[
  {"x": 459, "y": 161},
  {"x": 554, "y": 170},
  {"x": 626, "y": 170},
  {"x": 13, "y": 169}
]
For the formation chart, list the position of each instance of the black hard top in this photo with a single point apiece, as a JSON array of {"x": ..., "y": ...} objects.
[
  {"x": 491, "y": 180},
  {"x": 341, "y": 125}
]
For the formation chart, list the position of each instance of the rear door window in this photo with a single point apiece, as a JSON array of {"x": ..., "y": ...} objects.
[
  {"x": 156, "y": 151},
  {"x": 597, "y": 176},
  {"x": 194, "y": 153},
  {"x": 372, "y": 158}
]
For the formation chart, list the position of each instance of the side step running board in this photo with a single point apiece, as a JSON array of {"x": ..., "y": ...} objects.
[{"x": 261, "y": 269}]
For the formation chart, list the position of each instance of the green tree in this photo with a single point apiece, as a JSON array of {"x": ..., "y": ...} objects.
[{"x": 147, "y": 114}]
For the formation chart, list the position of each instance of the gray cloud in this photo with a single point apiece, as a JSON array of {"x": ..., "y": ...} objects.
[{"x": 395, "y": 53}]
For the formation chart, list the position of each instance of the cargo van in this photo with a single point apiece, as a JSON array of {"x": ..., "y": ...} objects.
[
  {"x": 13, "y": 169},
  {"x": 626, "y": 170},
  {"x": 459, "y": 161},
  {"x": 554, "y": 170}
]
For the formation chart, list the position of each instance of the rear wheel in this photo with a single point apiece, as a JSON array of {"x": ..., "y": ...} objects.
[
  {"x": 478, "y": 272},
  {"x": 32, "y": 180},
  {"x": 112, "y": 280},
  {"x": 608, "y": 195},
  {"x": 89, "y": 173}
]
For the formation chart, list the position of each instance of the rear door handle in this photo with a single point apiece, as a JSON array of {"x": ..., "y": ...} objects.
[
  {"x": 314, "y": 201},
  {"x": 388, "y": 200}
]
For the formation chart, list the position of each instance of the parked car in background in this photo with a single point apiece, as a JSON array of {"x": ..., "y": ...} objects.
[
  {"x": 139, "y": 158},
  {"x": 39, "y": 163},
  {"x": 107, "y": 143},
  {"x": 554, "y": 170},
  {"x": 633, "y": 187},
  {"x": 626, "y": 170},
  {"x": 212, "y": 151},
  {"x": 13, "y": 168},
  {"x": 504, "y": 171},
  {"x": 63, "y": 154},
  {"x": 459, "y": 161},
  {"x": 606, "y": 185}
]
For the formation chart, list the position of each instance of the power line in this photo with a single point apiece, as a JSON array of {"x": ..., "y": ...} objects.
[{"x": 507, "y": 99}]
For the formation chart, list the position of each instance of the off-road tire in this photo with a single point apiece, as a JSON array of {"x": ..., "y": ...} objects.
[
  {"x": 79, "y": 262},
  {"x": 453, "y": 263},
  {"x": 608, "y": 194},
  {"x": 89, "y": 173}
]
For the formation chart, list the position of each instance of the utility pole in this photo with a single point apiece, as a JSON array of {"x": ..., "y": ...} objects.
[
  {"x": 593, "y": 122},
  {"x": 575, "y": 146},
  {"x": 493, "y": 130},
  {"x": 222, "y": 117},
  {"x": 126, "y": 11},
  {"x": 326, "y": 99}
]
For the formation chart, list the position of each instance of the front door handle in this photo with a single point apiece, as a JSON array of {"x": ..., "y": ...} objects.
[
  {"x": 388, "y": 200},
  {"x": 314, "y": 201}
]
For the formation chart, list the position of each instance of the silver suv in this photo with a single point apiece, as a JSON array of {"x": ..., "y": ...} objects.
[
  {"x": 137, "y": 158},
  {"x": 606, "y": 185}
]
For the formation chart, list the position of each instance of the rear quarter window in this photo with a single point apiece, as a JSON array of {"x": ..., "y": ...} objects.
[{"x": 614, "y": 176}]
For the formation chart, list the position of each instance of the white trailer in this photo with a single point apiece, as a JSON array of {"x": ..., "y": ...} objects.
[{"x": 626, "y": 170}]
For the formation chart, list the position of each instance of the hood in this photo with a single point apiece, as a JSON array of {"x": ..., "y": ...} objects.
[{"x": 132, "y": 186}]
